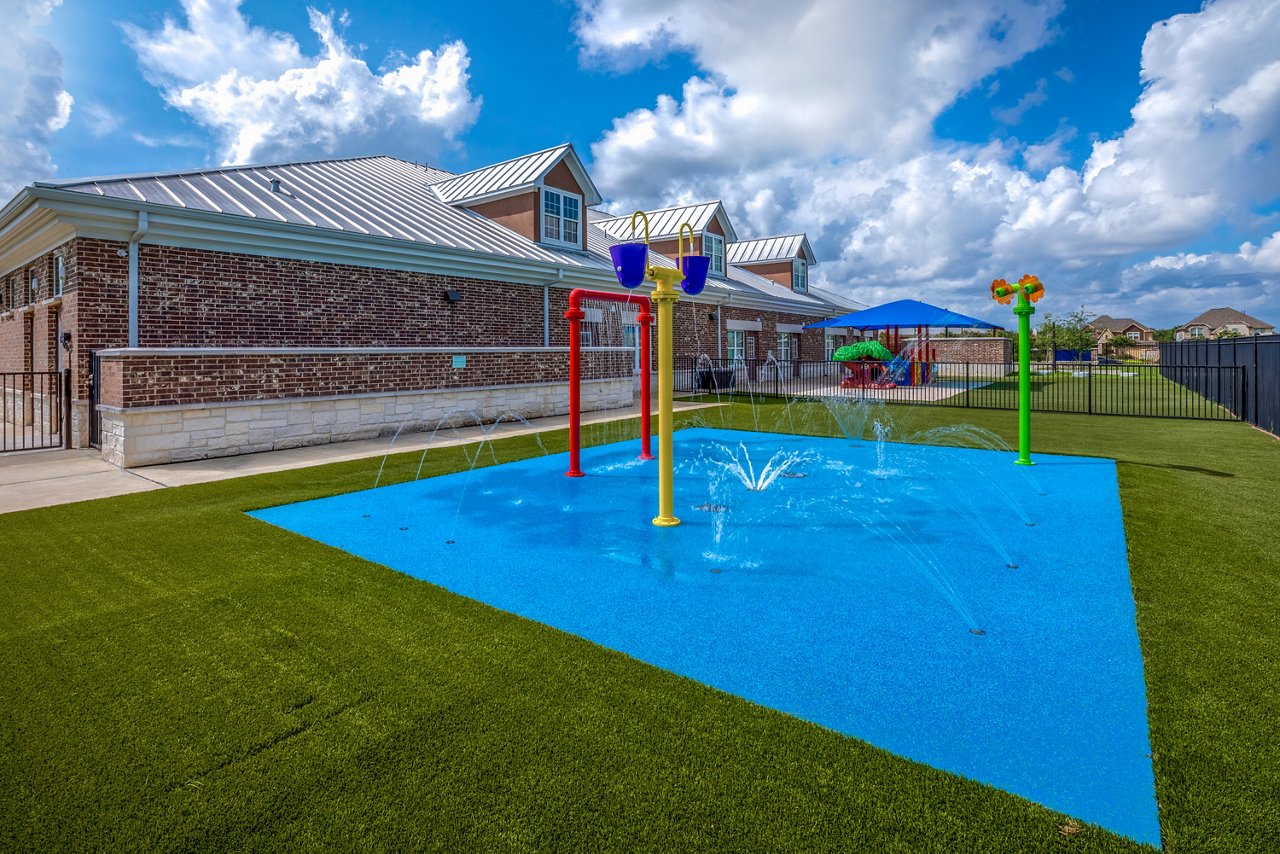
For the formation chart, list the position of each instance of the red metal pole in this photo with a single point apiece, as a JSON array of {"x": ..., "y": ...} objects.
[
  {"x": 646, "y": 333},
  {"x": 574, "y": 316}
]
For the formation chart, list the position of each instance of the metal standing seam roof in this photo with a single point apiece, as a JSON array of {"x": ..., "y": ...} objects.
[
  {"x": 392, "y": 198},
  {"x": 379, "y": 196},
  {"x": 666, "y": 222},
  {"x": 508, "y": 176},
  {"x": 781, "y": 248}
]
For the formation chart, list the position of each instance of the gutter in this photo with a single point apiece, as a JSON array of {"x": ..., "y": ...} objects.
[{"x": 134, "y": 240}]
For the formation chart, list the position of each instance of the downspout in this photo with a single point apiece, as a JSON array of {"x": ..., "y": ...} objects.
[
  {"x": 546, "y": 306},
  {"x": 134, "y": 240},
  {"x": 720, "y": 328}
]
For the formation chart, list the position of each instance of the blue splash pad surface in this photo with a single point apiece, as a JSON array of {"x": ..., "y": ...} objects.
[{"x": 844, "y": 596}]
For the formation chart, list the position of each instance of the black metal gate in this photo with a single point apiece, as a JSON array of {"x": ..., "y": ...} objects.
[
  {"x": 35, "y": 410},
  {"x": 95, "y": 386}
]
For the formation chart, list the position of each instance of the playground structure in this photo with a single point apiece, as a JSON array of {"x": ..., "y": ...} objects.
[
  {"x": 911, "y": 365},
  {"x": 1028, "y": 290},
  {"x": 894, "y": 364},
  {"x": 575, "y": 316},
  {"x": 632, "y": 266}
]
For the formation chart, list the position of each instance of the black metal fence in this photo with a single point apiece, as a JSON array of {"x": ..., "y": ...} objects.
[
  {"x": 35, "y": 410},
  {"x": 1153, "y": 391},
  {"x": 1257, "y": 358}
]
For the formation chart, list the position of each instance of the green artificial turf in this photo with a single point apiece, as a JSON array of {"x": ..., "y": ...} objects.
[{"x": 178, "y": 675}]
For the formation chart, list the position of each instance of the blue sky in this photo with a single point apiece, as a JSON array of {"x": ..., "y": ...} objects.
[{"x": 923, "y": 146}]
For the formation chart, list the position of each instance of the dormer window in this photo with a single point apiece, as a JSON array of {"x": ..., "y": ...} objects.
[
  {"x": 799, "y": 276},
  {"x": 561, "y": 218},
  {"x": 713, "y": 248}
]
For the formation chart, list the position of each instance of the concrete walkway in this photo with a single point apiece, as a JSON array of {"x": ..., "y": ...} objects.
[{"x": 44, "y": 478}]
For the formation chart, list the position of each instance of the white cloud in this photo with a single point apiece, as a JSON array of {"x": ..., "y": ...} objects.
[
  {"x": 803, "y": 80},
  {"x": 1042, "y": 156},
  {"x": 267, "y": 100},
  {"x": 33, "y": 103},
  {"x": 818, "y": 116},
  {"x": 1013, "y": 115},
  {"x": 101, "y": 119},
  {"x": 1186, "y": 283}
]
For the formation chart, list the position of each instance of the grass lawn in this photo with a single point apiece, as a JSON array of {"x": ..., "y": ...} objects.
[
  {"x": 1111, "y": 390},
  {"x": 179, "y": 675}
]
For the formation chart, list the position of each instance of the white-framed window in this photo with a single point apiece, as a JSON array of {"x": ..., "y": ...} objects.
[
  {"x": 784, "y": 346},
  {"x": 33, "y": 287},
  {"x": 561, "y": 218},
  {"x": 1196, "y": 332},
  {"x": 1133, "y": 335},
  {"x": 713, "y": 248},
  {"x": 799, "y": 276},
  {"x": 829, "y": 346},
  {"x": 735, "y": 345},
  {"x": 586, "y": 336},
  {"x": 59, "y": 274},
  {"x": 631, "y": 338}
]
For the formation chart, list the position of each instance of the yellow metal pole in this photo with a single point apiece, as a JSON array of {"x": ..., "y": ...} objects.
[{"x": 665, "y": 296}]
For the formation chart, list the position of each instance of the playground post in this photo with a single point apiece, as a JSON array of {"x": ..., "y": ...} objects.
[{"x": 1028, "y": 290}]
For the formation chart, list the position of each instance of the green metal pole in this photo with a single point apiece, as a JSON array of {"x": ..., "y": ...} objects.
[{"x": 1024, "y": 311}]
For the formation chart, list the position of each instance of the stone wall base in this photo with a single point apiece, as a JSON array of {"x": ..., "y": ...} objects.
[{"x": 168, "y": 434}]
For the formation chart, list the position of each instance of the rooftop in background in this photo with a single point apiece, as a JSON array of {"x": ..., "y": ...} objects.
[
  {"x": 1116, "y": 325},
  {"x": 1216, "y": 318},
  {"x": 665, "y": 222},
  {"x": 516, "y": 175},
  {"x": 762, "y": 249}
]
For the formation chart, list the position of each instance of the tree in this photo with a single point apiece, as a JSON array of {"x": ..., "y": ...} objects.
[
  {"x": 1068, "y": 332},
  {"x": 1227, "y": 333},
  {"x": 1165, "y": 335}
]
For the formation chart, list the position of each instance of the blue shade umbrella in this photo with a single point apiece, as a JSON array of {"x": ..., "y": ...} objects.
[{"x": 905, "y": 312}]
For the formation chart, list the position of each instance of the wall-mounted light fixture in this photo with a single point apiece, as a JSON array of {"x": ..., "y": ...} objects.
[
  {"x": 65, "y": 340},
  {"x": 452, "y": 296},
  {"x": 711, "y": 316}
]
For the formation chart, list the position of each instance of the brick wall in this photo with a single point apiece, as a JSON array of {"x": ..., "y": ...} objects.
[
  {"x": 167, "y": 379},
  {"x": 28, "y": 328},
  {"x": 987, "y": 351}
]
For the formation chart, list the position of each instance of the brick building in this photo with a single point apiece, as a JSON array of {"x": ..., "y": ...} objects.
[{"x": 252, "y": 308}]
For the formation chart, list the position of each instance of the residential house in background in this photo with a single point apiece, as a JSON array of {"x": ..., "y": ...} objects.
[
  {"x": 1218, "y": 321},
  {"x": 1126, "y": 337}
]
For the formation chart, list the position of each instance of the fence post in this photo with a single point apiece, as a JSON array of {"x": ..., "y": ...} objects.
[
  {"x": 967, "y": 365},
  {"x": 66, "y": 408},
  {"x": 1090, "y": 383},
  {"x": 1256, "y": 419},
  {"x": 1243, "y": 414}
]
